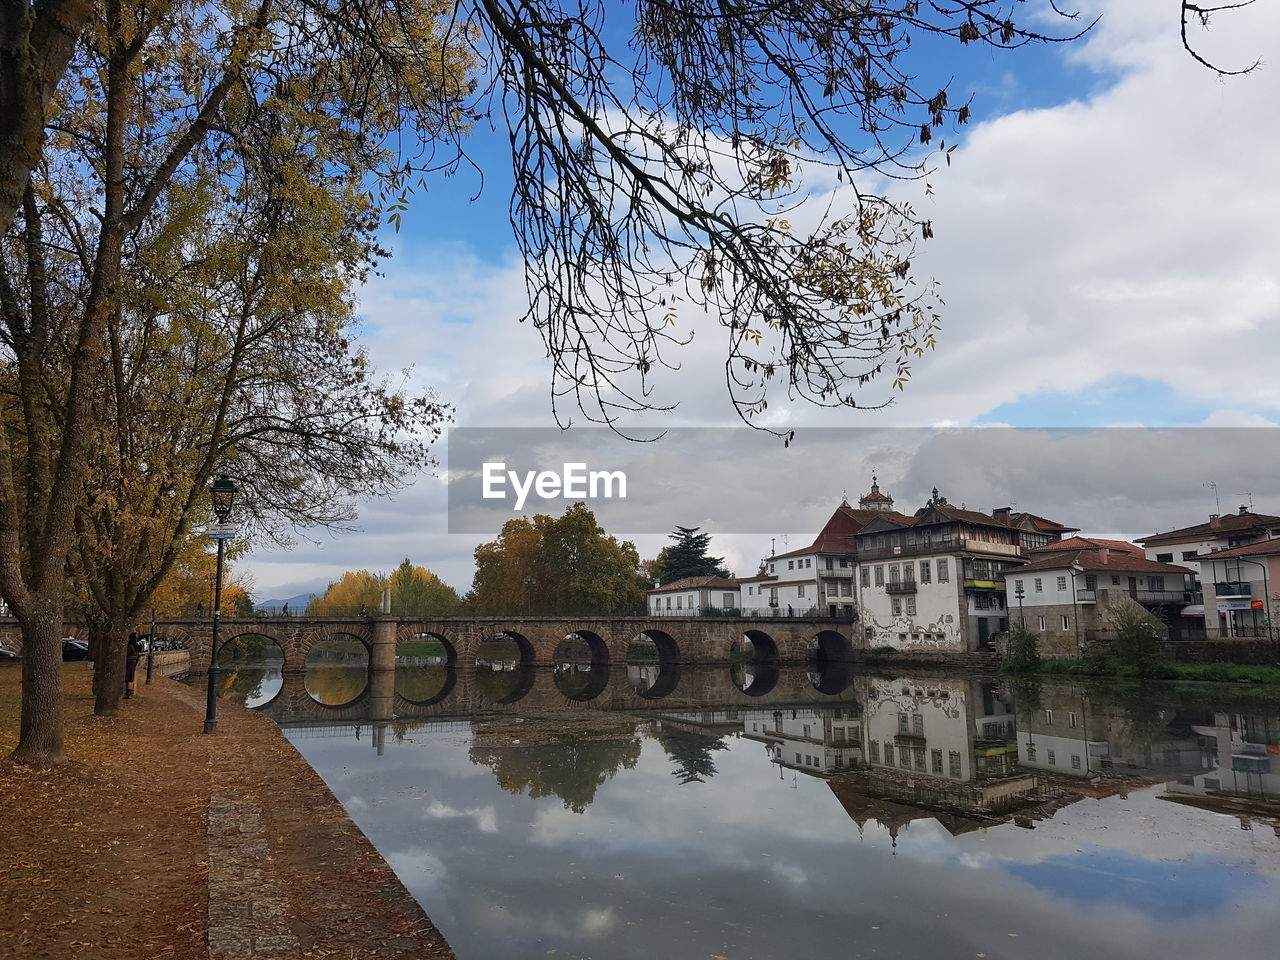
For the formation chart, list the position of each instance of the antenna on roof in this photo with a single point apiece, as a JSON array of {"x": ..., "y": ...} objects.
[
  {"x": 1216, "y": 502},
  {"x": 1250, "y": 496}
]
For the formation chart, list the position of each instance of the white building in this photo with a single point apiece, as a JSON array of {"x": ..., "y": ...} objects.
[{"x": 692, "y": 596}]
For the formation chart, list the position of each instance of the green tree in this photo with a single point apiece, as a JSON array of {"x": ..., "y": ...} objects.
[
  {"x": 564, "y": 565},
  {"x": 1022, "y": 650},
  {"x": 687, "y": 557},
  {"x": 568, "y": 766},
  {"x": 1137, "y": 636},
  {"x": 417, "y": 592}
]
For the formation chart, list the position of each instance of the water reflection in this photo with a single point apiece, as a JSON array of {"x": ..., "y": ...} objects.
[
  {"x": 542, "y": 760},
  {"x": 719, "y": 824},
  {"x": 581, "y": 681},
  {"x": 653, "y": 681},
  {"x": 504, "y": 682},
  {"x": 425, "y": 683},
  {"x": 755, "y": 678},
  {"x": 252, "y": 670}
]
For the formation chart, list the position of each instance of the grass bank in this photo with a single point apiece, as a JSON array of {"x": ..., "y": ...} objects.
[{"x": 1186, "y": 672}]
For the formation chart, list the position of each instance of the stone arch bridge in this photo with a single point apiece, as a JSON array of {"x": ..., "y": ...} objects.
[{"x": 687, "y": 640}]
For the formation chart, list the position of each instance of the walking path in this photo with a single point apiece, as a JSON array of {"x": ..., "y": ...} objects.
[{"x": 156, "y": 841}]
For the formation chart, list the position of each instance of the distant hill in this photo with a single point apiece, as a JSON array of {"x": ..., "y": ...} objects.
[{"x": 297, "y": 605}]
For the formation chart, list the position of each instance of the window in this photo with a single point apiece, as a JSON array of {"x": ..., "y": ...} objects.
[
  {"x": 874, "y": 747},
  {"x": 728, "y": 601},
  {"x": 808, "y": 561},
  {"x": 918, "y": 755},
  {"x": 791, "y": 564},
  {"x": 1053, "y": 757},
  {"x": 880, "y": 575},
  {"x": 1090, "y": 581},
  {"x": 924, "y": 571},
  {"x": 751, "y": 591},
  {"x": 917, "y": 724},
  {"x": 904, "y": 723},
  {"x": 1066, "y": 622},
  {"x": 1048, "y": 717},
  {"x": 807, "y": 728},
  {"x": 991, "y": 730},
  {"x": 1031, "y": 752},
  {"x": 831, "y": 565},
  {"x": 1115, "y": 579},
  {"x": 1165, "y": 557},
  {"x": 908, "y": 573},
  {"x": 846, "y": 588},
  {"x": 1190, "y": 554},
  {"x": 1062, "y": 583},
  {"x": 797, "y": 758},
  {"x": 844, "y": 562},
  {"x": 1071, "y": 719},
  {"x": 800, "y": 590},
  {"x": 953, "y": 757},
  {"x": 888, "y": 753},
  {"x": 1155, "y": 583},
  {"x": 866, "y": 577},
  {"x": 897, "y": 607},
  {"x": 773, "y": 596},
  {"x": 1017, "y": 586},
  {"x": 1040, "y": 625},
  {"x": 679, "y": 603},
  {"x": 911, "y": 606},
  {"x": 1075, "y": 761},
  {"x": 893, "y": 573},
  {"x": 771, "y": 568},
  {"x": 1039, "y": 585},
  {"x": 935, "y": 758},
  {"x": 943, "y": 574},
  {"x": 668, "y": 603}
]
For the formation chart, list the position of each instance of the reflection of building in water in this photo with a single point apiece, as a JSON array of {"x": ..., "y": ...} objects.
[
  {"x": 811, "y": 739},
  {"x": 1069, "y": 734},
  {"x": 1244, "y": 774}
]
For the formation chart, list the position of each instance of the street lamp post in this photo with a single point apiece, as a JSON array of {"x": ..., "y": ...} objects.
[
  {"x": 223, "y": 494},
  {"x": 151, "y": 646},
  {"x": 528, "y": 594},
  {"x": 1020, "y": 593}
]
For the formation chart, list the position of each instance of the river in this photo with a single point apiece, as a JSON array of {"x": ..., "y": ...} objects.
[{"x": 583, "y": 813}]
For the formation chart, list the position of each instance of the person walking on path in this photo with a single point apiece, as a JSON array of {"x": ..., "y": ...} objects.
[{"x": 133, "y": 651}]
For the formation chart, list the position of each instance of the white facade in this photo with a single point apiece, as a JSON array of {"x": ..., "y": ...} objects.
[{"x": 675, "y": 600}]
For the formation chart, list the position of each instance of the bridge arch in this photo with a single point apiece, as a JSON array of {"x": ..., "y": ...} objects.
[
  {"x": 757, "y": 645},
  {"x": 422, "y": 686},
  {"x": 526, "y": 654},
  {"x": 412, "y": 632},
  {"x": 337, "y": 668},
  {"x": 573, "y": 644}
]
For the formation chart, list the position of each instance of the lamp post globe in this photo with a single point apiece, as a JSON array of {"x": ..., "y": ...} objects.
[{"x": 223, "y": 496}]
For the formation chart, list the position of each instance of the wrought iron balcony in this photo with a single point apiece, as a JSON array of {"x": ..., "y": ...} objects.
[{"x": 904, "y": 586}]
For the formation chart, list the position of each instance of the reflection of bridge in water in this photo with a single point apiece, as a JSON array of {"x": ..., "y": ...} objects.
[{"x": 478, "y": 691}]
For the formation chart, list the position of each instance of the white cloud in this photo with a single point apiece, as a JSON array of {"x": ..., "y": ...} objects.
[{"x": 1127, "y": 233}]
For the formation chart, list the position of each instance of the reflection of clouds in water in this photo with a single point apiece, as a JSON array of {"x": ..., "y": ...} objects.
[
  {"x": 791, "y": 874},
  {"x": 596, "y": 923},
  {"x": 486, "y": 818}
]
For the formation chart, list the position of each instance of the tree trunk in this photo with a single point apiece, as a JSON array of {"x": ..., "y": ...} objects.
[
  {"x": 40, "y": 739},
  {"x": 111, "y": 669}
]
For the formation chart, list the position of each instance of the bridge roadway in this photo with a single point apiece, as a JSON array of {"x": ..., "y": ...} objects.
[{"x": 685, "y": 640}]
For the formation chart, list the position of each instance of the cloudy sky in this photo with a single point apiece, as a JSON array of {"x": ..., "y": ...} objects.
[{"x": 1106, "y": 247}]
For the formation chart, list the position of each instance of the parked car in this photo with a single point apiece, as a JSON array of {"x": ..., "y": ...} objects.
[
  {"x": 73, "y": 649},
  {"x": 7, "y": 653}
]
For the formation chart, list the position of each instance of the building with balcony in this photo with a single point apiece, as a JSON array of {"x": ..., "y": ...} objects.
[
  {"x": 1063, "y": 593},
  {"x": 935, "y": 580},
  {"x": 818, "y": 580},
  {"x": 1188, "y": 545},
  {"x": 1242, "y": 590}
]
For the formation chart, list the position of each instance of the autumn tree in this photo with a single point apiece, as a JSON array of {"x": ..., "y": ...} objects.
[
  {"x": 549, "y": 566},
  {"x": 417, "y": 592},
  {"x": 178, "y": 128},
  {"x": 356, "y": 590},
  {"x": 686, "y": 557}
]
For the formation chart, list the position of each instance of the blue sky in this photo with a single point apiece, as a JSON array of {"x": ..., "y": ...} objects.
[{"x": 1105, "y": 248}]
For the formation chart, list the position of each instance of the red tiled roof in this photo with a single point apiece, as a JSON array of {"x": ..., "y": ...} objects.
[
  {"x": 838, "y": 533},
  {"x": 1042, "y": 523},
  {"x": 1088, "y": 543},
  {"x": 694, "y": 583},
  {"x": 1231, "y": 523},
  {"x": 1263, "y": 548},
  {"x": 1096, "y": 559}
]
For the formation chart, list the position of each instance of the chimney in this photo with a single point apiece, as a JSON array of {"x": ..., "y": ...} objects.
[
  {"x": 1215, "y": 521},
  {"x": 1001, "y": 514},
  {"x": 1243, "y": 509}
]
